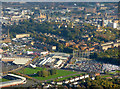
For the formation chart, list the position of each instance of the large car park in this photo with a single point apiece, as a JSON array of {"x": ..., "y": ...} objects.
[{"x": 92, "y": 66}]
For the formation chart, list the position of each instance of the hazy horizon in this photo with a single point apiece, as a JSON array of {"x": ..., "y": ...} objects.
[{"x": 59, "y": 0}]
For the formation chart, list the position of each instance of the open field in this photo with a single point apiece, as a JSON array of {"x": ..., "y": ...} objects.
[
  {"x": 117, "y": 71},
  {"x": 104, "y": 76},
  {"x": 112, "y": 73},
  {"x": 66, "y": 73},
  {"x": 59, "y": 74},
  {"x": 31, "y": 70},
  {"x": 69, "y": 77}
]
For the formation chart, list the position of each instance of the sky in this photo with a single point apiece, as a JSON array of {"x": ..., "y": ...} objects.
[{"x": 60, "y": 0}]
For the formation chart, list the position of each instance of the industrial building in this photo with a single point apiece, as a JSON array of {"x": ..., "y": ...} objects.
[
  {"x": 55, "y": 60},
  {"x": 16, "y": 60},
  {"x": 107, "y": 45},
  {"x": 60, "y": 55},
  {"x": 58, "y": 63},
  {"x": 22, "y": 35}
]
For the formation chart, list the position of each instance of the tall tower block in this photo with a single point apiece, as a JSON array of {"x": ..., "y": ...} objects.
[{"x": 8, "y": 33}]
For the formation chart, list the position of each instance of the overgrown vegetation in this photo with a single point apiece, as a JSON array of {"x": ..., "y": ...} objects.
[
  {"x": 101, "y": 83},
  {"x": 108, "y": 56},
  {"x": 46, "y": 73},
  {"x": 59, "y": 29}
]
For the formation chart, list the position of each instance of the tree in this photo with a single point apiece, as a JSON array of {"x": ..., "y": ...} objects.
[
  {"x": 52, "y": 71},
  {"x": 93, "y": 55},
  {"x": 45, "y": 73},
  {"x": 5, "y": 48},
  {"x": 39, "y": 73},
  {"x": 68, "y": 50},
  {"x": 45, "y": 48},
  {"x": 97, "y": 77},
  {"x": 60, "y": 47}
]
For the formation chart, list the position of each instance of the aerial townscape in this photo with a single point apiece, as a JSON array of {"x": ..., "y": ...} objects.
[{"x": 60, "y": 45}]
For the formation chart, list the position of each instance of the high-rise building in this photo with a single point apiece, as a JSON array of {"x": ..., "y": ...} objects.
[
  {"x": 115, "y": 25},
  {"x": 101, "y": 22}
]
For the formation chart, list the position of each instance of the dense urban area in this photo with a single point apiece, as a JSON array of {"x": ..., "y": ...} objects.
[{"x": 62, "y": 45}]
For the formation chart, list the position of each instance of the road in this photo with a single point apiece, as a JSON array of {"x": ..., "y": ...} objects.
[
  {"x": 29, "y": 62},
  {"x": 33, "y": 79}
]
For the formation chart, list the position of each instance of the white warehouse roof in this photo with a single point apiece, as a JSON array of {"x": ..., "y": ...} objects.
[{"x": 21, "y": 60}]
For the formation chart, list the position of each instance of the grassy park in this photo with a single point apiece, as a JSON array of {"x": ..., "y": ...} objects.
[
  {"x": 104, "y": 76},
  {"x": 61, "y": 79},
  {"x": 117, "y": 71},
  {"x": 30, "y": 71},
  {"x": 59, "y": 74}
]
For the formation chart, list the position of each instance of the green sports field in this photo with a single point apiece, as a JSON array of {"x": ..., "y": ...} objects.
[
  {"x": 104, "y": 76},
  {"x": 30, "y": 71},
  {"x": 59, "y": 74},
  {"x": 61, "y": 79},
  {"x": 117, "y": 71}
]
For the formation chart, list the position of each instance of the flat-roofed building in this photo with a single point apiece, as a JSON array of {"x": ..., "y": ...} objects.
[
  {"x": 58, "y": 63},
  {"x": 16, "y": 60},
  {"x": 108, "y": 43},
  {"x": 116, "y": 44},
  {"x": 106, "y": 47},
  {"x": 22, "y": 35}
]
